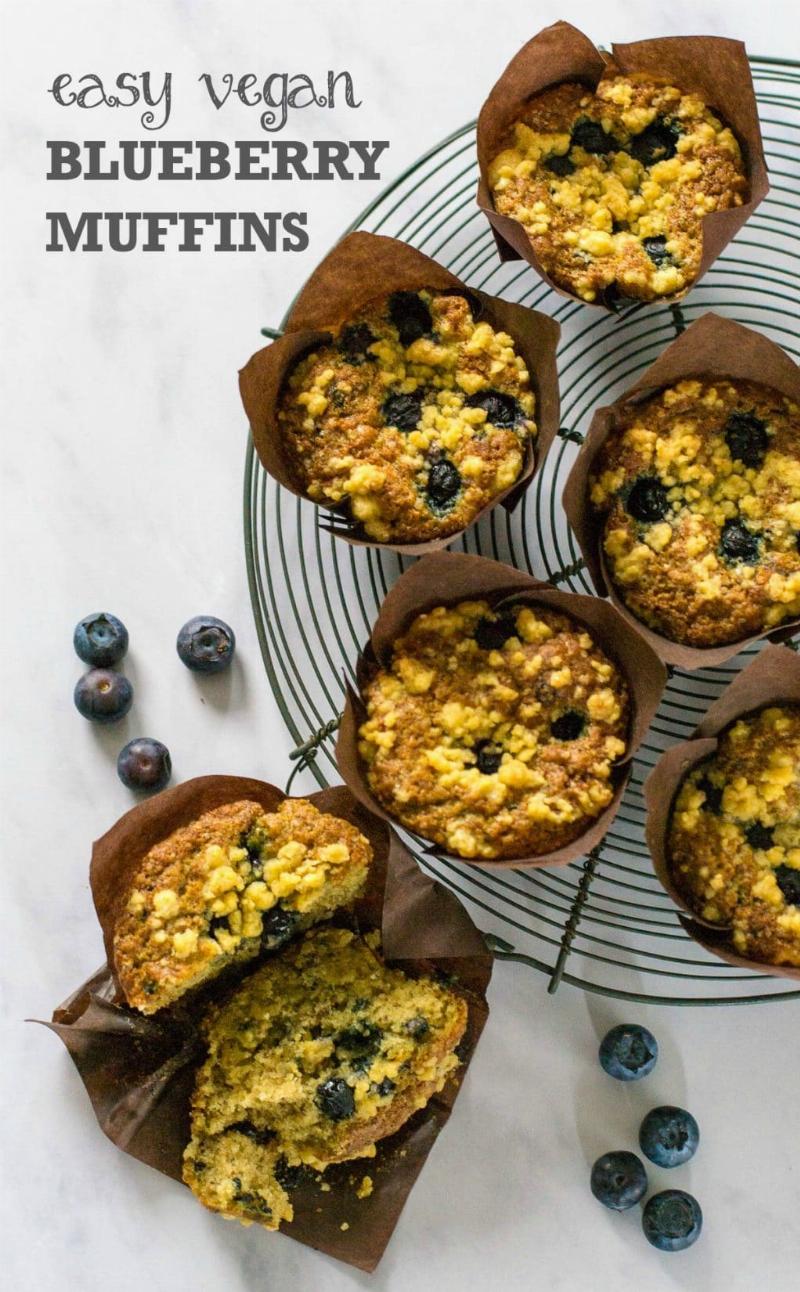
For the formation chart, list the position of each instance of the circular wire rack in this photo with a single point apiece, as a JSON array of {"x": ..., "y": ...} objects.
[{"x": 603, "y": 924}]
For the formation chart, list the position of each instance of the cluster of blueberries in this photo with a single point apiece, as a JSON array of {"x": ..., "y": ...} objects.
[
  {"x": 668, "y": 1136},
  {"x": 104, "y": 695}
]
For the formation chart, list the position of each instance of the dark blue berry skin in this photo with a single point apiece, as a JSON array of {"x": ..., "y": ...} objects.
[
  {"x": 144, "y": 764},
  {"x": 102, "y": 695},
  {"x": 628, "y": 1052},
  {"x": 335, "y": 1099},
  {"x": 672, "y": 1220},
  {"x": 100, "y": 640},
  {"x": 618, "y": 1180},
  {"x": 206, "y": 644},
  {"x": 669, "y": 1136}
]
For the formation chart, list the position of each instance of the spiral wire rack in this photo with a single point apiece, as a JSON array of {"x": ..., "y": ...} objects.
[{"x": 604, "y": 923}]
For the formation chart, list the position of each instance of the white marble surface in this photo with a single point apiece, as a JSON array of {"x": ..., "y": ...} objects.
[{"x": 122, "y": 484}]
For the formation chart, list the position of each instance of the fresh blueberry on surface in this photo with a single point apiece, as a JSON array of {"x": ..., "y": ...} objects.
[
  {"x": 568, "y": 726},
  {"x": 672, "y": 1220},
  {"x": 713, "y": 795},
  {"x": 444, "y": 484},
  {"x": 759, "y": 836},
  {"x": 492, "y": 634},
  {"x": 102, "y": 695},
  {"x": 618, "y": 1180},
  {"x": 501, "y": 409},
  {"x": 746, "y": 438},
  {"x": 669, "y": 1136},
  {"x": 592, "y": 138},
  {"x": 144, "y": 764},
  {"x": 628, "y": 1052},
  {"x": 738, "y": 543},
  {"x": 100, "y": 639},
  {"x": 354, "y": 342},
  {"x": 647, "y": 500},
  {"x": 277, "y": 926},
  {"x": 335, "y": 1099},
  {"x": 658, "y": 142},
  {"x": 656, "y": 249},
  {"x": 206, "y": 644},
  {"x": 559, "y": 164},
  {"x": 489, "y": 756},
  {"x": 788, "y": 880},
  {"x": 403, "y": 411},
  {"x": 411, "y": 316}
]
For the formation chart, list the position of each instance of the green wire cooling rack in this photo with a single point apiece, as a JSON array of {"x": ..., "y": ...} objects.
[{"x": 604, "y": 923}]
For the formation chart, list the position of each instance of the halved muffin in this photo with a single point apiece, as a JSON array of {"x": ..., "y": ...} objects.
[
  {"x": 231, "y": 883},
  {"x": 317, "y": 1055}
]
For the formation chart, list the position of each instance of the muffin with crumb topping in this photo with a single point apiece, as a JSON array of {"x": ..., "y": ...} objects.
[
  {"x": 233, "y": 883},
  {"x": 495, "y": 732},
  {"x": 611, "y": 185},
  {"x": 734, "y": 836},
  {"x": 317, "y": 1056},
  {"x": 414, "y": 417},
  {"x": 698, "y": 491}
]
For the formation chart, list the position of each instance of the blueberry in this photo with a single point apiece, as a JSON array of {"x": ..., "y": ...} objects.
[
  {"x": 418, "y": 1027},
  {"x": 403, "y": 411},
  {"x": 290, "y": 1177},
  {"x": 628, "y": 1052},
  {"x": 746, "y": 438},
  {"x": 360, "y": 1043},
  {"x": 656, "y": 249},
  {"x": 410, "y": 315},
  {"x": 501, "y": 409},
  {"x": 568, "y": 726},
  {"x": 335, "y": 1099},
  {"x": 492, "y": 634},
  {"x": 592, "y": 138},
  {"x": 144, "y": 764},
  {"x": 713, "y": 793},
  {"x": 277, "y": 926},
  {"x": 672, "y": 1220},
  {"x": 384, "y": 1088},
  {"x": 647, "y": 500},
  {"x": 788, "y": 881},
  {"x": 102, "y": 695},
  {"x": 489, "y": 756},
  {"x": 669, "y": 1136},
  {"x": 559, "y": 164},
  {"x": 259, "y": 1135},
  {"x": 444, "y": 484},
  {"x": 618, "y": 1180},
  {"x": 738, "y": 544},
  {"x": 354, "y": 342},
  {"x": 206, "y": 644},
  {"x": 658, "y": 142},
  {"x": 100, "y": 639},
  {"x": 759, "y": 836}
]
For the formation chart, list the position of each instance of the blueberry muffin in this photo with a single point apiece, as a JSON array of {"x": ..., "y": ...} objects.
[
  {"x": 611, "y": 186},
  {"x": 236, "y": 881},
  {"x": 316, "y": 1056},
  {"x": 416, "y": 416},
  {"x": 698, "y": 488},
  {"x": 734, "y": 836},
  {"x": 495, "y": 733}
]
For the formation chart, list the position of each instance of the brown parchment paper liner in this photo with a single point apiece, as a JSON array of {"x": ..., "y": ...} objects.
[
  {"x": 445, "y": 578},
  {"x": 772, "y": 678},
  {"x": 139, "y": 1071},
  {"x": 361, "y": 268},
  {"x": 711, "y": 347},
  {"x": 715, "y": 68}
]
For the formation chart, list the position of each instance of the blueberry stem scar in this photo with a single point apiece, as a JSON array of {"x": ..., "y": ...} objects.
[{"x": 571, "y": 926}]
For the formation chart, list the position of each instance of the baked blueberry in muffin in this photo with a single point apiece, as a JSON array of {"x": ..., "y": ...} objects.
[
  {"x": 698, "y": 491},
  {"x": 734, "y": 836},
  {"x": 611, "y": 186},
  {"x": 416, "y": 416},
  {"x": 495, "y": 732}
]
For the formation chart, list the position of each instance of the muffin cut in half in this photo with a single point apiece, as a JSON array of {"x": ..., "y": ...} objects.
[
  {"x": 317, "y": 1055},
  {"x": 235, "y": 881},
  {"x": 734, "y": 836},
  {"x": 416, "y": 415},
  {"x": 611, "y": 186},
  {"x": 494, "y": 732}
]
